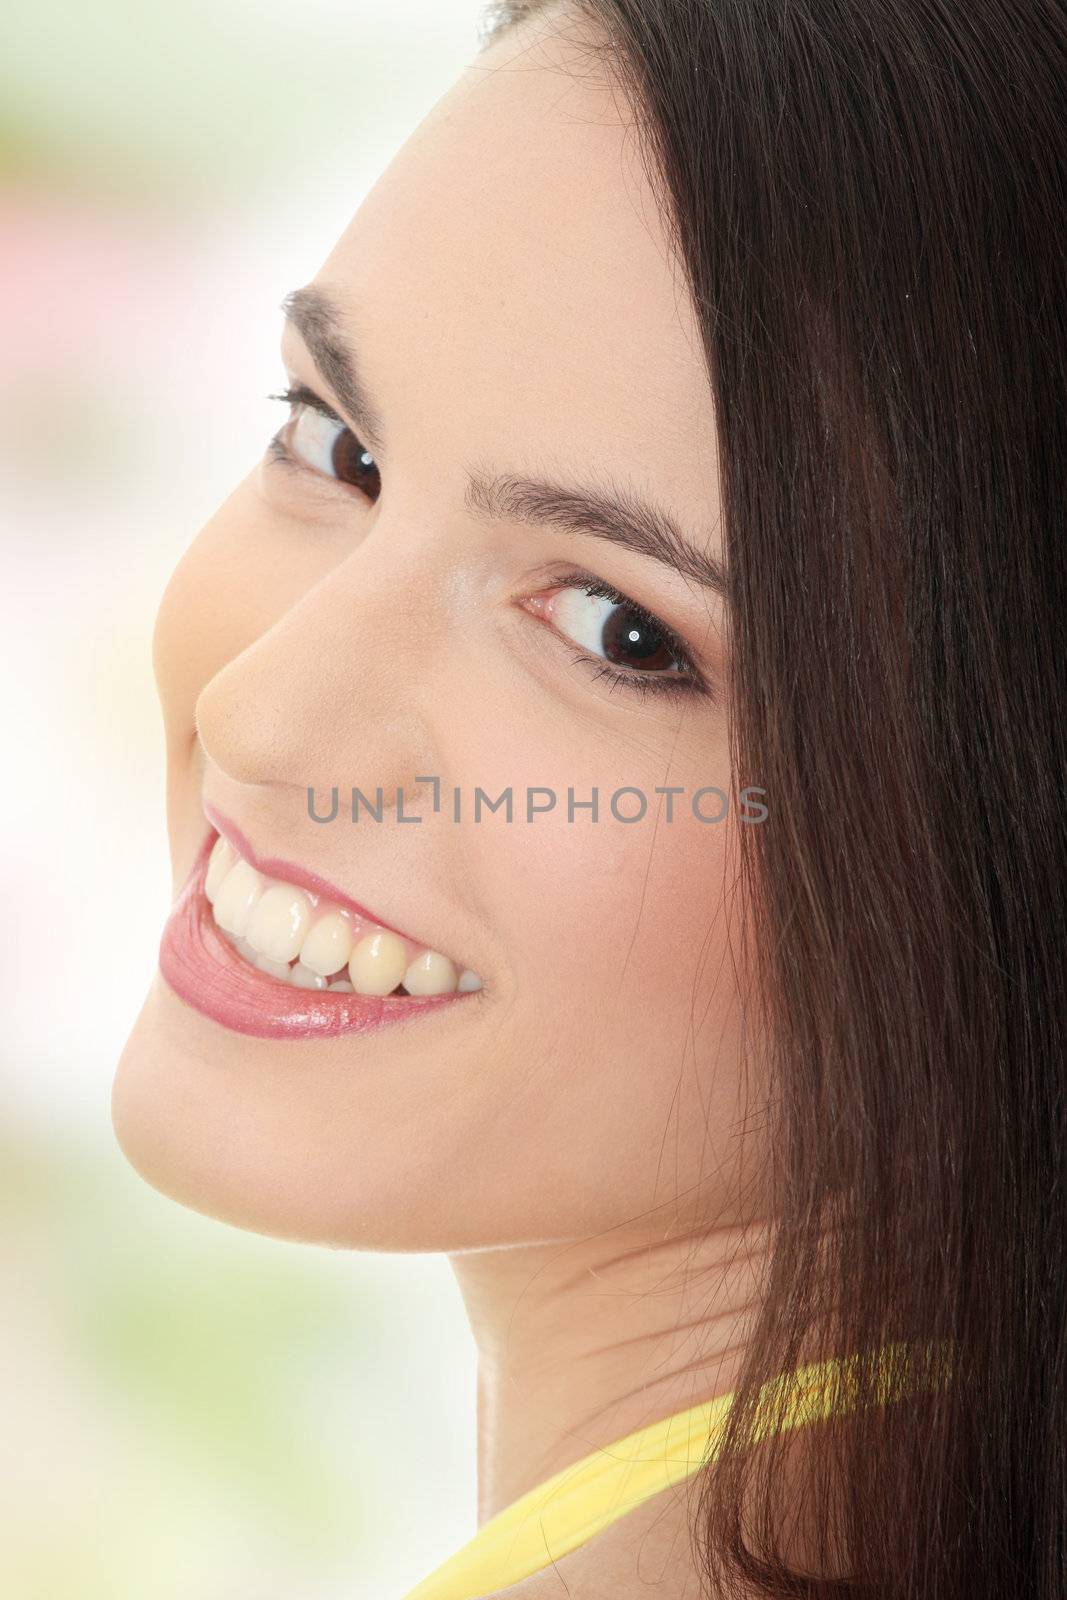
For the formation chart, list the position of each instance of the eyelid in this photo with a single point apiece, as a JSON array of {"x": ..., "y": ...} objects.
[
  {"x": 580, "y": 579},
  {"x": 668, "y": 685},
  {"x": 298, "y": 394}
]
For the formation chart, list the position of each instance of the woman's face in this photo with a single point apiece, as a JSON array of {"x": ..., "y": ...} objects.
[{"x": 395, "y": 605}]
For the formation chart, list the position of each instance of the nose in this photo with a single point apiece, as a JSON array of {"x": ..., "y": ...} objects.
[{"x": 330, "y": 693}]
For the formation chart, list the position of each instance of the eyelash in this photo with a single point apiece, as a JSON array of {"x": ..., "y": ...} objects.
[
  {"x": 688, "y": 681},
  {"x": 300, "y": 395}
]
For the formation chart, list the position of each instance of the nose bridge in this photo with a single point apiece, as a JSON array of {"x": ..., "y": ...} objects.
[{"x": 323, "y": 696}]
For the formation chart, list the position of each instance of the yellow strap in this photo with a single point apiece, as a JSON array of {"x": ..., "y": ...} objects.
[{"x": 557, "y": 1516}]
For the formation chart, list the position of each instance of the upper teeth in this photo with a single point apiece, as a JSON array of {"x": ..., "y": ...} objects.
[{"x": 305, "y": 941}]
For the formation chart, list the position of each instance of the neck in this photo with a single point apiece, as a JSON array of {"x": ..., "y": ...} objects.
[{"x": 582, "y": 1342}]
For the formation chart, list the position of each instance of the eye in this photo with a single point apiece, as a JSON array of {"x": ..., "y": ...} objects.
[
  {"x": 316, "y": 439},
  {"x": 619, "y": 639}
]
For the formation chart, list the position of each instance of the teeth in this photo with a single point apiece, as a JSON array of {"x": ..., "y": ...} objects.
[
  {"x": 276, "y": 969},
  {"x": 237, "y": 894},
  {"x": 294, "y": 938},
  {"x": 302, "y": 977},
  {"x": 377, "y": 963},
  {"x": 221, "y": 860},
  {"x": 430, "y": 973},
  {"x": 279, "y": 922},
  {"x": 327, "y": 946}
]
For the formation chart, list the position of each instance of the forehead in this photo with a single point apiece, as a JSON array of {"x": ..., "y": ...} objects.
[{"x": 510, "y": 289}]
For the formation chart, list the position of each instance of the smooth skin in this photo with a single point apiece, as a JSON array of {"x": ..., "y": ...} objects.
[{"x": 575, "y": 1135}]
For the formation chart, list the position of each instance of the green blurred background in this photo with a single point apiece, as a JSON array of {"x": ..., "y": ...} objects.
[{"x": 188, "y": 1410}]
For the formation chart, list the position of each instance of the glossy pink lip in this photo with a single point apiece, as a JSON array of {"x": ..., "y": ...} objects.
[
  {"x": 204, "y": 970},
  {"x": 273, "y": 867}
]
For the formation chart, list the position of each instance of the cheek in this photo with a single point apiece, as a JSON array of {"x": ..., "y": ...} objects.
[
  {"x": 622, "y": 1051},
  {"x": 594, "y": 904},
  {"x": 629, "y": 913},
  {"x": 612, "y": 929}
]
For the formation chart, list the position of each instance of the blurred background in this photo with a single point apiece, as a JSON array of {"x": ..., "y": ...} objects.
[{"x": 188, "y": 1410}]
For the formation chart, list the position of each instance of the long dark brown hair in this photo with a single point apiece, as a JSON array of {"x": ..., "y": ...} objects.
[{"x": 870, "y": 201}]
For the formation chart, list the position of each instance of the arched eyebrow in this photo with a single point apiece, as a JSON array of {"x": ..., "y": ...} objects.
[
  {"x": 318, "y": 322},
  {"x": 610, "y": 512},
  {"x": 601, "y": 511}
]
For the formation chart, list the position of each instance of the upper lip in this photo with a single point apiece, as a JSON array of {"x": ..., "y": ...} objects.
[{"x": 272, "y": 867}]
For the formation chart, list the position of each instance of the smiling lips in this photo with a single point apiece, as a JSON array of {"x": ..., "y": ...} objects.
[{"x": 271, "y": 958}]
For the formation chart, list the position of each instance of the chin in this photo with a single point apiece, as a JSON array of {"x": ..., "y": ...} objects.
[
  {"x": 226, "y": 1126},
  {"x": 176, "y": 1127}
]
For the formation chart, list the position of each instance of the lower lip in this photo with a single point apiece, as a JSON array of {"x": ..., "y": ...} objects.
[{"x": 204, "y": 970}]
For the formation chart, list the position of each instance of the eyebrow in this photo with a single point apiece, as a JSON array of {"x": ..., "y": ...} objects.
[
  {"x": 608, "y": 512},
  {"x": 317, "y": 320}
]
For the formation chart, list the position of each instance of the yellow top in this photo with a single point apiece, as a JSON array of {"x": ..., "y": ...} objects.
[{"x": 552, "y": 1519}]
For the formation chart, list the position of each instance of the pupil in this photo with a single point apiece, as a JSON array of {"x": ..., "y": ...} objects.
[
  {"x": 630, "y": 642},
  {"x": 353, "y": 464}
]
